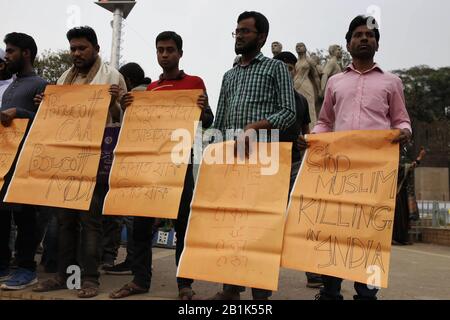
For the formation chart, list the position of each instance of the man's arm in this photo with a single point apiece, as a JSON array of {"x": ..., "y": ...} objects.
[
  {"x": 219, "y": 122},
  {"x": 207, "y": 116},
  {"x": 398, "y": 113},
  {"x": 29, "y": 114},
  {"x": 117, "y": 91},
  {"x": 286, "y": 116}
]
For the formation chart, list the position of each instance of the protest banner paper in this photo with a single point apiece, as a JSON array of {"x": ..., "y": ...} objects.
[
  {"x": 145, "y": 178},
  {"x": 341, "y": 214},
  {"x": 236, "y": 224},
  {"x": 58, "y": 164}
]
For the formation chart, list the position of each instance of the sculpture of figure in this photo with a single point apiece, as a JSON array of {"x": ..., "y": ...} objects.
[
  {"x": 306, "y": 80},
  {"x": 319, "y": 67},
  {"x": 332, "y": 66},
  {"x": 316, "y": 59},
  {"x": 277, "y": 48}
]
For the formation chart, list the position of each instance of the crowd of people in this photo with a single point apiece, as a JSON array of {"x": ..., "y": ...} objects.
[{"x": 257, "y": 93}]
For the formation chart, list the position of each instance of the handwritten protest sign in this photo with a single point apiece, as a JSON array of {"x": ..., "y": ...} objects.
[
  {"x": 145, "y": 180},
  {"x": 10, "y": 139},
  {"x": 59, "y": 161},
  {"x": 235, "y": 229},
  {"x": 341, "y": 213}
]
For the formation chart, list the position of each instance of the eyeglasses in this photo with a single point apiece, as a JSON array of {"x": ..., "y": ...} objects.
[{"x": 243, "y": 31}]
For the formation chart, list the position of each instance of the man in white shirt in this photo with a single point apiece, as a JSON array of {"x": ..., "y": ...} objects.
[{"x": 5, "y": 75}]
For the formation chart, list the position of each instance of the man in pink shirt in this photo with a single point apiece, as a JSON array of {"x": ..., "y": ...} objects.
[{"x": 363, "y": 97}]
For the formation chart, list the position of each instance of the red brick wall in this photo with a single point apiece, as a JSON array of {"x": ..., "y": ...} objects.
[{"x": 436, "y": 236}]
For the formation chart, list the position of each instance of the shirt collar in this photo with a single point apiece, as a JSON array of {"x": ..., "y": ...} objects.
[
  {"x": 181, "y": 75},
  {"x": 258, "y": 58},
  {"x": 375, "y": 67},
  {"x": 25, "y": 75}
]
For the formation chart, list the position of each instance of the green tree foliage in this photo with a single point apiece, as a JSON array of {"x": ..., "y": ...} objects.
[
  {"x": 427, "y": 92},
  {"x": 51, "y": 65}
]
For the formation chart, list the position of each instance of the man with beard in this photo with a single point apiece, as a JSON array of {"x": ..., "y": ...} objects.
[
  {"x": 256, "y": 94},
  {"x": 17, "y": 102},
  {"x": 87, "y": 68},
  {"x": 363, "y": 97}
]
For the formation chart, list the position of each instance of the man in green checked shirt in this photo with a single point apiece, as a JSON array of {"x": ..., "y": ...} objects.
[{"x": 256, "y": 94}]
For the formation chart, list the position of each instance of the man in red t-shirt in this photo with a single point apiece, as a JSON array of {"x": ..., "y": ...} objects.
[{"x": 169, "y": 47}]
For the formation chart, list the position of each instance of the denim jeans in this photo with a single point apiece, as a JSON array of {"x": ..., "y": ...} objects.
[
  {"x": 50, "y": 255},
  {"x": 182, "y": 221},
  {"x": 79, "y": 230},
  {"x": 111, "y": 240},
  {"x": 111, "y": 232},
  {"x": 141, "y": 262},
  {"x": 25, "y": 245}
]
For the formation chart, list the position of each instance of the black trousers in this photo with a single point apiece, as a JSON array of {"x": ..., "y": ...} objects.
[
  {"x": 332, "y": 289},
  {"x": 27, "y": 233},
  {"x": 143, "y": 236},
  {"x": 182, "y": 222}
]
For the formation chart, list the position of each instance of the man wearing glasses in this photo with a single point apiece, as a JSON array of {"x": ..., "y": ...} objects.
[{"x": 256, "y": 94}]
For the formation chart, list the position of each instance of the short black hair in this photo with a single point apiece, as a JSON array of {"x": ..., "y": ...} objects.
[
  {"x": 286, "y": 57},
  {"x": 83, "y": 32},
  {"x": 22, "y": 41},
  {"x": 363, "y": 21},
  {"x": 170, "y": 35},
  {"x": 261, "y": 22},
  {"x": 146, "y": 80},
  {"x": 134, "y": 72}
]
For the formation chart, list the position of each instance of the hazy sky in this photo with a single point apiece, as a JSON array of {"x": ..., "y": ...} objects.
[{"x": 413, "y": 32}]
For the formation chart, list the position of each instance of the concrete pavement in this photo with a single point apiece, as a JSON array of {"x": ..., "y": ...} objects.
[{"x": 418, "y": 272}]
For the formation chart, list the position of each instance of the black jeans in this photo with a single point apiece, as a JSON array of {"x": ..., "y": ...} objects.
[
  {"x": 143, "y": 236},
  {"x": 111, "y": 227},
  {"x": 182, "y": 221},
  {"x": 141, "y": 261},
  {"x": 332, "y": 290},
  {"x": 50, "y": 255},
  {"x": 82, "y": 231},
  {"x": 26, "y": 242},
  {"x": 112, "y": 233}
]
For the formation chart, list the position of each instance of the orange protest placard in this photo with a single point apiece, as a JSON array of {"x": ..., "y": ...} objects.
[
  {"x": 10, "y": 139},
  {"x": 235, "y": 229},
  {"x": 148, "y": 172},
  {"x": 341, "y": 213},
  {"x": 59, "y": 161}
]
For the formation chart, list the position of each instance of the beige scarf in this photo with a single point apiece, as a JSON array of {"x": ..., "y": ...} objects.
[{"x": 73, "y": 73}]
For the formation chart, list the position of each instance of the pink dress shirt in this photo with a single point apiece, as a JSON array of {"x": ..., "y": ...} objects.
[{"x": 372, "y": 100}]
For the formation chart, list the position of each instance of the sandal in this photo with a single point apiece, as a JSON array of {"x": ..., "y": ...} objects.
[
  {"x": 127, "y": 290},
  {"x": 186, "y": 294},
  {"x": 51, "y": 284},
  {"x": 88, "y": 290}
]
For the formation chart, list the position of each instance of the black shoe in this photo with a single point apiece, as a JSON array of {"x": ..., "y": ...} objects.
[{"x": 123, "y": 268}]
